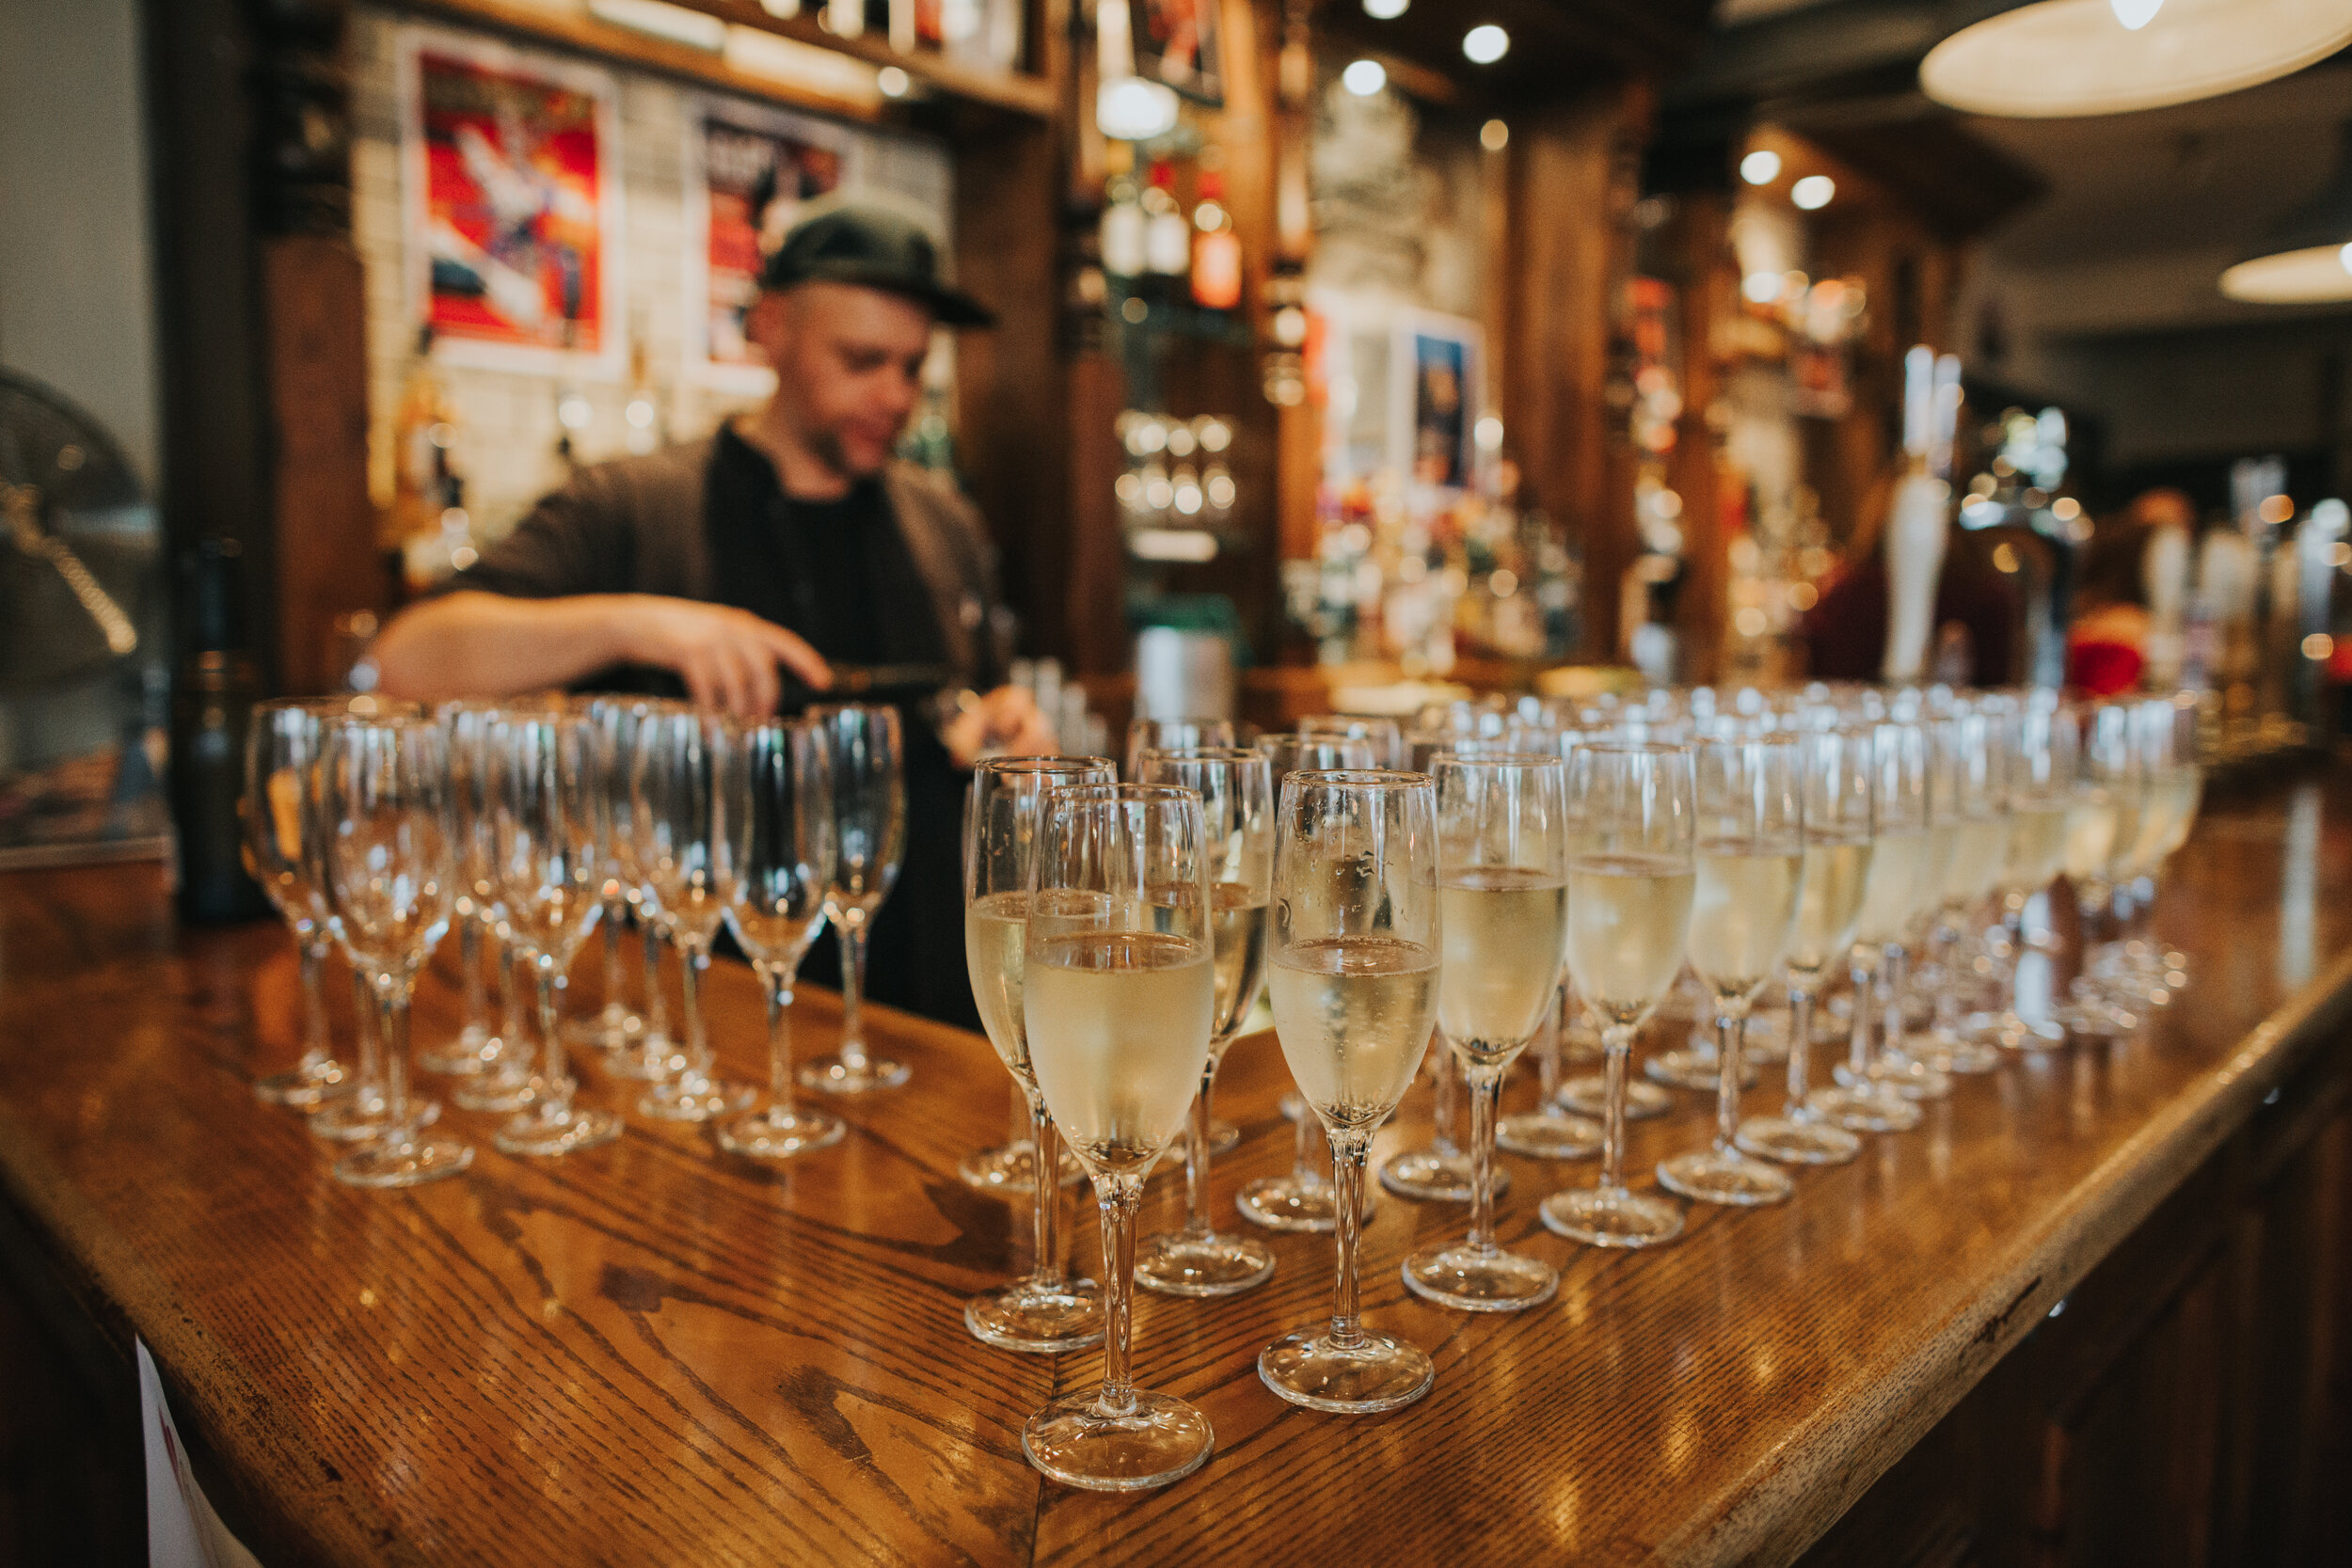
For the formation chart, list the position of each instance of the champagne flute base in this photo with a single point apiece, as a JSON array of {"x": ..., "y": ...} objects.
[
  {"x": 1719, "y": 1176},
  {"x": 648, "y": 1059},
  {"x": 1906, "y": 1075},
  {"x": 1011, "y": 1168},
  {"x": 474, "y": 1052},
  {"x": 1435, "y": 1176},
  {"x": 403, "y": 1163},
  {"x": 512, "y": 1088},
  {"x": 1373, "y": 1374},
  {"x": 1202, "y": 1263},
  {"x": 613, "y": 1028},
  {"x": 1158, "y": 1438},
  {"x": 1953, "y": 1051},
  {"x": 1797, "y": 1141},
  {"x": 1583, "y": 1096},
  {"x": 1476, "y": 1280},
  {"x": 1872, "y": 1108},
  {"x": 838, "y": 1075},
  {"x": 1546, "y": 1134},
  {"x": 1286, "y": 1203},
  {"x": 693, "y": 1097},
  {"x": 1035, "y": 1318},
  {"x": 1611, "y": 1217},
  {"x": 2012, "y": 1031},
  {"x": 773, "y": 1134},
  {"x": 1694, "y": 1070},
  {"x": 361, "y": 1119},
  {"x": 307, "y": 1088},
  {"x": 548, "y": 1130}
]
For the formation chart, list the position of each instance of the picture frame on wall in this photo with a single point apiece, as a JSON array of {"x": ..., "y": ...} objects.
[
  {"x": 511, "y": 205},
  {"x": 1403, "y": 389},
  {"x": 1180, "y": 42}
]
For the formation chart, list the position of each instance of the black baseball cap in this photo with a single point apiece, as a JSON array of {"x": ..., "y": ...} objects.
[{"x": 877, "y": 248}]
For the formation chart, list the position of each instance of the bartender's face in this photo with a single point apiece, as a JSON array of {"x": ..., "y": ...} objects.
[{"x": 848, "y": 368}]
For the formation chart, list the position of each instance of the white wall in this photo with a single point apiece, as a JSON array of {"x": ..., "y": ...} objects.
[{"x": 77, "y": 303}]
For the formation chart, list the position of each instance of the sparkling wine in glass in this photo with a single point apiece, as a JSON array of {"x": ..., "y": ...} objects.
[
  {"x": 2102, "y": 827},
  {"x": 2041, "y": 778},
  {"x": 1743, "y": 915},
  {"x": 1502, "y": 900},
  {"x": 1970, "y": 762},
  {"x": 869, "y": 813},
  {"x": 1237, "y": 804},
  {"x": 1004, "y": 832},
  {"x": 390, "y": 874},
  {"x": 1353, "y": 975},
  {"x": 1632, "y": 875},
  {"x": 1865, "y": 1101},
  {"x": 281, "y": 824},
  {"x": 775, "y": 853},
  {"x": 679, "y": 830},
  {"x": 1119, "y": 997}
]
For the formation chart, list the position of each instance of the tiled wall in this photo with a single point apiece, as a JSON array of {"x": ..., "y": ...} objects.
[{"x": 506, "y": 441}]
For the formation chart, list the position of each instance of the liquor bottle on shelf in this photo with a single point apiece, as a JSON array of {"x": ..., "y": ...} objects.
[
  {"x": 1167, "y": 236},
  {"x": 212, "y": 696},
  {"x": 1216, "y": 248}
]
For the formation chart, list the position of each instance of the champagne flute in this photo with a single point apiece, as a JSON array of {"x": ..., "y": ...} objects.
[
  {"x": 674, "y": 804},
  {"x": 1971, "y": 766},
  {"x": 389, "y": 874},
  {"x": 1300, "y": 1200},
  {"x": 1118, "y": 996},
  {"x": 1237, "y": 806},
  {"x": 1381, "y": 734},
  {"x": 613, "y": 1026},
  {"x": 1548, "y": 1132},
  {"x": 1173, "y": 734},
  {"x": 1632, "y": 874},
  {"x": 1865, "y": 1100},
  {"x": 2167, "y": 732},
  {"x": 869, "y": 814},
  {"x": 1004, "y": 830},
  {"x": 2102, "y": 819},
  {"x": 2041, "y": 775},
  {"x": 494, "y": 1064},
  {"x": 1502, "y": 898},
  {"x": 1354, "y": 981},
  {"x": 650, "y": 1056},
  {"x": 1895, "y": 1065},
  {"x": 775, "y": 804},
  {"x": 281, "y": 810},
  {"x": 1744, "y": 916},
  {"x": 1836, "y": 773}
]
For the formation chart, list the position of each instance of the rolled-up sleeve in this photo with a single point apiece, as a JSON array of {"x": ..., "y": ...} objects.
[{"x": 573, "y": 542}]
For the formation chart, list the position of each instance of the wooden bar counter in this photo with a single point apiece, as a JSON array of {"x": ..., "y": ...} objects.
[{"x": 2091, "y": 1311}]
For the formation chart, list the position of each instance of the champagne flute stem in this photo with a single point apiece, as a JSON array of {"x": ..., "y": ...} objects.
[
  {"x": 1197, "y": 1156},
  {"x": 853, "y": 997},
  {"x": 692, "y": 959},
  {"x": 1548, "y": 1066},
  {"x": 314, "y": 1044},
  {"x": 1443, "y": 1113},
  {"x": 1348, "y": 1215},
  {"x": 1045, "y": 1268},
  {"x": 559, "y": 1083},
  {"x": 656, "y": 1004},
  {"x": 1730, "y": 1033},
  {"x": 1120, "y": 1197},
  {"x": 1485, "y": 1098},
  {"x": 1893, "y": 1028},
  {"x": 469, "y": 972},
  {"x": 391, "y": 1019},
  {"x": 510, "y": 997},
  {"x": 779, "y": 978},
  {"x": 1865, "y": 993},
  {"x": 615, "y": 975},
  {"x": 371, "y": 1040},
  {"x": 1799, "y": 1047},
  {"x": 1616, "y": 1052}
]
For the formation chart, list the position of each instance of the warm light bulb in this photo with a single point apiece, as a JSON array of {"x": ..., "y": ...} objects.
[
  {"x": 1133, "y": 109},
  {"x": 1485, "y": 43},
  {"x": 2136, "y": 14},
  {"x": 892, "y": 81},
  {"x": 1364, "y": 77},
  {"x": 1813, "y": 192},
  {"x": 1760, "y": 167},
  {"x": 1385, "y": 10},
  {"x": 2346, "y": 256}
]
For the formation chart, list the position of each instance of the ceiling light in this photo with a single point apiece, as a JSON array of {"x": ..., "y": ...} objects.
[
  {"x": 1485, "y": 43},
  {"x": 1760, "y": 167},
  {"x": 1494, "y": 135},
  {"x": 1385, "y": 10},
  {"x": 1130, "y": 108},
  {"x": 2054, "y": 58},
  {"x": 1364, "y": 77},
  {"x": 1813, "y": 192},
  {"x": 2306, "y": 258}
]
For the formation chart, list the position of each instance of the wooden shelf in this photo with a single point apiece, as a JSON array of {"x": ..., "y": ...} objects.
[{"x": 1017, "y": 92}]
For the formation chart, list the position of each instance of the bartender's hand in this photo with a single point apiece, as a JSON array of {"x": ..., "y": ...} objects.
[
  {"x": 726, "y": 657},
  {"x": 1006, "y": 719}
]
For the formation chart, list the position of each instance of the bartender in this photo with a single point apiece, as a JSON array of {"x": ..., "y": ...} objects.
[{"x": 738, "y": 570}]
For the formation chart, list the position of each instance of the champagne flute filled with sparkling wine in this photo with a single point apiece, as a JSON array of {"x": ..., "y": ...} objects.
[
  {"x": 2167, "y": 728},
  {"x": 1744, "y": 913},
  {"x": 1503, "y": 899},
  {"x": 2102, "y": 825},
  {"x": 1973, "y": 758},
  {"x": 1865, "y": 1101},
  {"x": 282, "y": 851},
  {"x": 1893, "y": 1064},
  {"x": 1632, "y": 874},
  {"x": 1354, "y": 982},
  {"x": 1237, "y": 803},
  {"x": 1120, "y": 995},
  {"x": 1836, "y": 775},
  {"x": 775, "y": 853},
  {"x": 2041, "y": 776},
  {"x": 1004, "y": 832}
]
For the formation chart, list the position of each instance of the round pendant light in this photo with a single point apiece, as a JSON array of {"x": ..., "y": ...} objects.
[
  {"x": 2306, "y": 259},
  {"x": 2056, "y": 58}
]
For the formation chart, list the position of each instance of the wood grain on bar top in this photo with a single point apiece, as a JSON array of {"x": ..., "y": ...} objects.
[{"x": 656, "y": 1353}]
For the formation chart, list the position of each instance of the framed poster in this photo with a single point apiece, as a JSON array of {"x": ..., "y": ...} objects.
[
  {"x": 1177, "y": 42},
  {"x": 1402, "y": 393},
  {"x": 511, "y": 204},
  {"x": 749, "y": 172}
]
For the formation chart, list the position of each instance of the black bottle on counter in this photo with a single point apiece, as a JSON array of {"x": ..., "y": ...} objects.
[{"x": 211, "y": 700}]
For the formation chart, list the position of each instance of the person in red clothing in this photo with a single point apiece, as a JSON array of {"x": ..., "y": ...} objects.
[{"x": 2106, "y": 644}]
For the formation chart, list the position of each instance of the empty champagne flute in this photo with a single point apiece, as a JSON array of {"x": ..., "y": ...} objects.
[
  {"x": 476, "y": 1049},
  {"x": 775, "y": 853},
  {"x": 1835, "y": 771},
  {"x": 1118, "y": 998},
  {"x": 1743, "y": 914},
  {"x": 389, "y": 873},
  {"x": 1503, "y": 898},
  {"x": 1632, "y": 877},
  {"x": 612, "y": 1026},
  {"x": 1865, "y": 1101},
  {"x": 678, "y": 832},
  {"x": 1173, "y": 734},
  {"x": 1237, "y": 808},
  {"x": 1003, "y": 832},
  {"x": 650, "y": 1055},
  {"x": 1300, "y": 1200},
  {"x": 869, "y": 815},
  {"x": 281, "y": 850},
  {"x": 1353, "y": 975},
  {"x": 1381, "y": 734}
]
